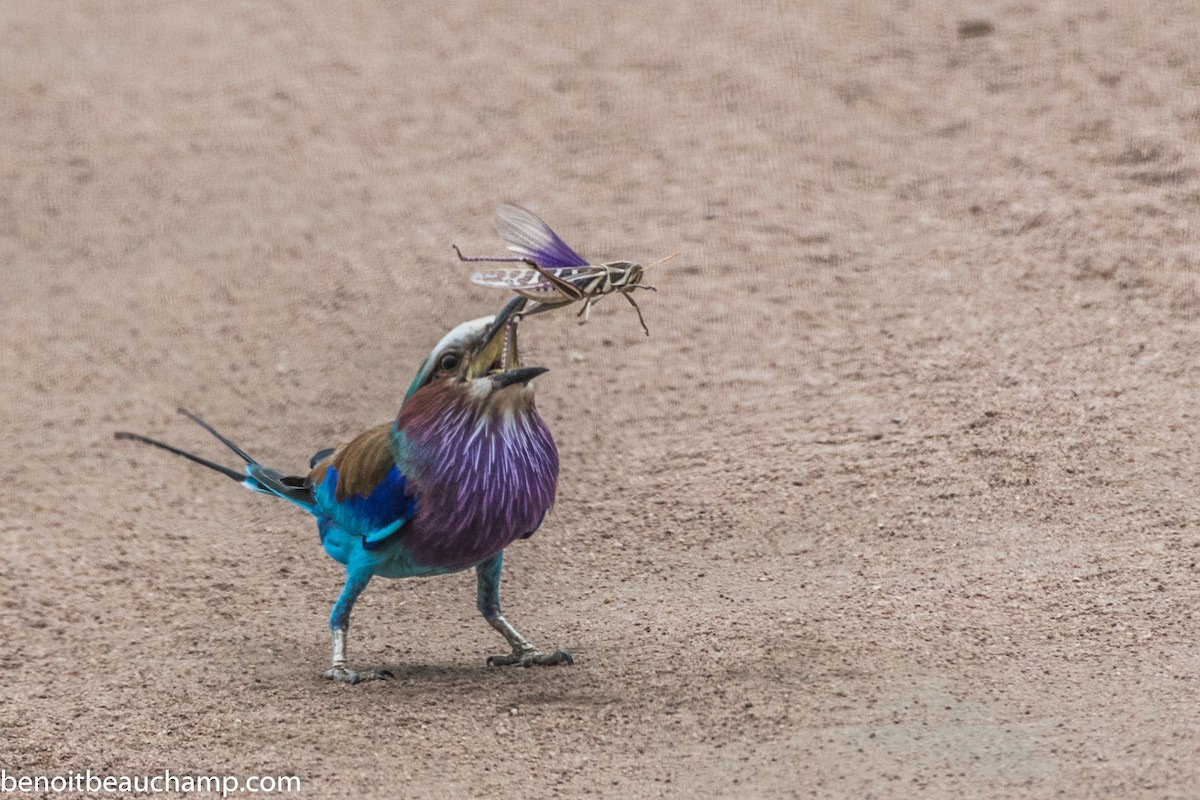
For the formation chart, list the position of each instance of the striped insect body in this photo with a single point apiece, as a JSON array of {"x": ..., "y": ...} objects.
[{"x": 553, "y": 274}]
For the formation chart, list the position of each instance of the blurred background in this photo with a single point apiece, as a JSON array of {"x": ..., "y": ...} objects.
[{"x": 898, "y": 495}]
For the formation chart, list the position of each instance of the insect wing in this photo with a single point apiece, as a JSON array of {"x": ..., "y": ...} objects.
[
  {"x": 509, "y": 278},
  {"x": 530, "y": 238},
  {"x": 527, "y": 282}
]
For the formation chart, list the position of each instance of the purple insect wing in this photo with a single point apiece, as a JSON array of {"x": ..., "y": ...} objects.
[{"x": 530, "y": 238}]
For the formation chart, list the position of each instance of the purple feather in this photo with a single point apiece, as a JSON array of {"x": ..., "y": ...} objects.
[{"x": 483, "y": 476}]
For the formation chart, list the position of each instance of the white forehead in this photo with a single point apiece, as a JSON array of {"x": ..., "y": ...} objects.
[{"x": 463, "y": 334}]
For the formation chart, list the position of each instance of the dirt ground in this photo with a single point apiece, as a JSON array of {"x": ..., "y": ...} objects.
[{"x": 897, "y": 500}]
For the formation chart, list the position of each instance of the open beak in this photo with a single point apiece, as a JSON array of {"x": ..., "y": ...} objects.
[
  {"x": 498, "y": 356},
  {"x": 519, "y": 375}
]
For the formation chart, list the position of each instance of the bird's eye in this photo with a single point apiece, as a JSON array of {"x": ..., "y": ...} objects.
[{"x": 449, "y": 361}]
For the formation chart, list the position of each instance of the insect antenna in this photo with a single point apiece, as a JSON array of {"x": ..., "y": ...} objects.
[{"x": 660, "y": 261}]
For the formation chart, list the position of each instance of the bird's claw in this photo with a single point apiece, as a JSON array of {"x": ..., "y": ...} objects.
[
  {"x": 343, "y": 675},
  {"x": 529, "y": 658}
]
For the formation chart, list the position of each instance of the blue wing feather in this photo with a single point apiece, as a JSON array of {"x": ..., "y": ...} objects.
[{"x": 376, "y": 516}]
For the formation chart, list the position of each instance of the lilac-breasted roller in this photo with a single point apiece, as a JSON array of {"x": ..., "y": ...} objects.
[{"x": 465, "y": 469}]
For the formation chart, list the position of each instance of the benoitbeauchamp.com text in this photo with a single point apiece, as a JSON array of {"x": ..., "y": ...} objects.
[{"x": 166, "y": 781}]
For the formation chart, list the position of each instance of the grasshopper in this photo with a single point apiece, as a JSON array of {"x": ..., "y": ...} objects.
[{"x": 555, "y": 275}]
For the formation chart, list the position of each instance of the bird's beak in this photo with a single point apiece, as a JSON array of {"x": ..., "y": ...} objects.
[
  {"x": 498, "y": 356},
  {"x": 519, "y": 375}
]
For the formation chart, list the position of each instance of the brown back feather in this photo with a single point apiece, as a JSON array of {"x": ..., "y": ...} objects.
[{"x": 361, "y": 463}]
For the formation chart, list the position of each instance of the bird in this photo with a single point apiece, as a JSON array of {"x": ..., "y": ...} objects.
[{"x": 466, "y": 468}]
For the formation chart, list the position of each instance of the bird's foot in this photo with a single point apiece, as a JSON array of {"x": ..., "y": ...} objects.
[
  {"x": 528, "y": 657},
  {"x": 344, "y": 675}
]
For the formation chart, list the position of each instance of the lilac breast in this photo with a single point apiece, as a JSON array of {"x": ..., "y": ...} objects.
[{"x": 480, "y": 482}]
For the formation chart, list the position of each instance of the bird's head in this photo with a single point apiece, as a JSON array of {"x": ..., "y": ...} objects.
[{"x": 479, "y": 359}]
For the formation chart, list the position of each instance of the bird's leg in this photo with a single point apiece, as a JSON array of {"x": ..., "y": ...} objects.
[
  {"x": 339, "y": 622},
  {"x": 488, "y": 600}
]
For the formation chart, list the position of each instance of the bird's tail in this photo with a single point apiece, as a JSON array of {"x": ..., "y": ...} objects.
[{"x": 255, "y": 476}]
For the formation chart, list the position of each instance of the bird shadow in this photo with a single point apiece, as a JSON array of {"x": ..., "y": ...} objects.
[{"x": 436, "y": 683}]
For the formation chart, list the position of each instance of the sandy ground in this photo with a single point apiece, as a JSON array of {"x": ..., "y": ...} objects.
[{"x": 897, "y": 500}]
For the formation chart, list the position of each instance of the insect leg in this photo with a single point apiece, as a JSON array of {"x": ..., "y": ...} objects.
[
  {"x": 565, "y": 288},
  {"x": 537, "y": 307},
  {"x": 461, "y": 257},
  {"x": 586, "y": 311},
  {"x": 633, "y": 303}
]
